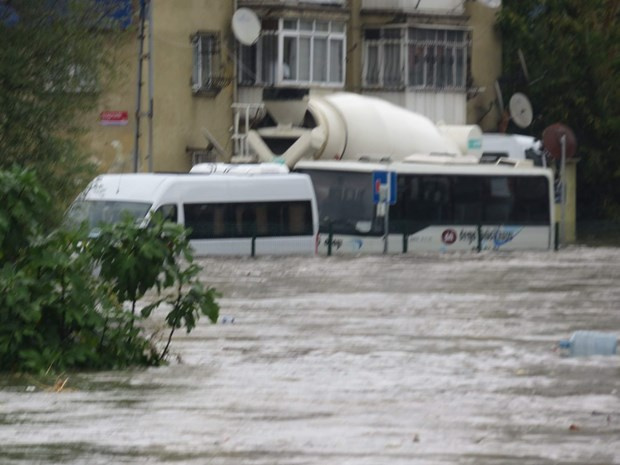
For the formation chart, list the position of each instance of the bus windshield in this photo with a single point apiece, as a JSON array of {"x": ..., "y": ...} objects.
[
  {"x": 97, "y": 212},
  {"x": 345, "y": 202}
]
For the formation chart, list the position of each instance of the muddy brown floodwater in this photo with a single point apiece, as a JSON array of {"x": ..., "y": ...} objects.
[{"x": 420, "y": 359}]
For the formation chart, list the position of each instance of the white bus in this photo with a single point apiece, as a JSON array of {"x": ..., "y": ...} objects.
[
  {"x": 227, "y": 214},
  {"x": 438, "y": 207}
]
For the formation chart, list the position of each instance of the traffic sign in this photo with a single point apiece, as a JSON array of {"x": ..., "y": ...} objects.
[{"x": 385, "y": 180}]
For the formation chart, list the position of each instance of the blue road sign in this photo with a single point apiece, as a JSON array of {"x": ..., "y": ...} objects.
[{"x": 383, "y": 178}]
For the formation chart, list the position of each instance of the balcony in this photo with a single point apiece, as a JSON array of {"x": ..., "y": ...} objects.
[
  {"x": 292, "y": 3},
  {"x": 428, "y": 7}
]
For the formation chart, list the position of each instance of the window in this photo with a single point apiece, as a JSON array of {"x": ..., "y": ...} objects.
[
  {"x": 383, "y": 63},
  {"x": 98, "y": 212},
  {"x": 295, "y": 52},
  {"x": 345, "y": 202},
  {"x": 421, "y": 201},
  {"x": 467, "y": 197},
  {"x": 425, "y": 200},
  {"x": 206, "y": 63},
  {"x": 168, "y": 212},
  {"x": 248, "y": 219},
  {"x": 423, "y": 58},
  {"x": 532, "y": 200}
]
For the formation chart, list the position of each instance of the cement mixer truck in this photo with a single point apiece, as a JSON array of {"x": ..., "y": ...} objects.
[
  {"x": 388, "y": 179},
  {"x": 347, "y": 126}
]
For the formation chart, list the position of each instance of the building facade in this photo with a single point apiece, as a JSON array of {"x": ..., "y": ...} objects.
[
  {"x": 202, "y": 81},
  {"x": 184, "y": 59},
  {"x": 439, "y": 58}
]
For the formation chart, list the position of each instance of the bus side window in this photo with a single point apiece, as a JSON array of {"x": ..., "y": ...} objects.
[
  {"x": 433, "y": 199},
  {"x": 499, "y": 200},
  {"x": 300, "y": 218},
  {"x": 168, "y": 212},
  {"x": 196, "y": 221},
  {"x": 245, "y": 216},
  {"x": 274, "y": 218},
  {"x": 218, "y": 221},
  {"x": 262, "y": 225},
  {"x": 467, "y": 199},
  {"x": 532, "y": 206}
]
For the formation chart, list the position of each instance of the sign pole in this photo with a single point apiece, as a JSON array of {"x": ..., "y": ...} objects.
[
  {"x": 561, "y": 144},
  {"x": 563, "y": 187},
  {"x": 384, "y": 194},
  {"x": 136, "y": 146},
  {"x": 386, "y": 217},
  {"x": 149, "y": 154}
]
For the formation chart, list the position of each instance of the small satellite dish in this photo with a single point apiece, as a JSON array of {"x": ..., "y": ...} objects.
[
  {"x": 491, "y": 3},
  {"x": 552, "y": 141},
  {"x": 520, "y": 110},
  {"x": 246, "y": 26}
]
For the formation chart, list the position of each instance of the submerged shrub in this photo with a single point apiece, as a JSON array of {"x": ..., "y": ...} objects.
[{"x": 57, "y": 314}]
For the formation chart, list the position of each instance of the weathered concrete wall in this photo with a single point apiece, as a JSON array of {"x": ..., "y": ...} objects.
[
  {"x": 179, "y": 115},
  {"x": 486, "y": 66}
]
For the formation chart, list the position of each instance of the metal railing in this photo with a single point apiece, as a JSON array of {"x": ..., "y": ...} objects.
[{"x": 243, "y": 115}]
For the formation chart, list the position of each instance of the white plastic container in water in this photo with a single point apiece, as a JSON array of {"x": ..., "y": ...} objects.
[{"x": 585, "y": 343}]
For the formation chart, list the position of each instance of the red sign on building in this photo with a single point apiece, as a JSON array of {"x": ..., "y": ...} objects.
[{"x": 114, "y": 118}]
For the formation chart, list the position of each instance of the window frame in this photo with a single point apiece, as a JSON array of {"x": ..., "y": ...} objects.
[
  {"x": 469, "y": 199},
  {"x": 289, "y": 33},
  {"x": 455, "y": 42},
  {"x": 244, "y": 220},
  {"x": 205, "y": 79}
]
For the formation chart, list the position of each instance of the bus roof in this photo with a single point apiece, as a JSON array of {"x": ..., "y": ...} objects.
[
  {"x": 137, "y": 187},
  {"x": 424, "y": 168},
  {"x": 148, "y": 187}
]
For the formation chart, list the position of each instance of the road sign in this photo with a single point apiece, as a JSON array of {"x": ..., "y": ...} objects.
[{"x": 384, "y": 180}]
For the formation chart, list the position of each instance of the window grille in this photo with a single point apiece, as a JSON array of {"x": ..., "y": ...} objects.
[
  {"x": 295, "y": 52},
  {"x": 415, "y": 57},
  {"x": 206, "y": 64}
]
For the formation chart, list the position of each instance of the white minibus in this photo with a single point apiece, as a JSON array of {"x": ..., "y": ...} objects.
[{"x": 227, "y": 214}]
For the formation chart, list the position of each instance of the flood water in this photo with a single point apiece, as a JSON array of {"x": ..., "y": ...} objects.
[{"x": 420, "y": 359}]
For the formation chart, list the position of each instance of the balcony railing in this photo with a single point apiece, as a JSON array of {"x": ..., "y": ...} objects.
[
  {"x": 291, "y": 2},
  {"x": 212, "y": 86},
  {"x": 435, "y": 7}
]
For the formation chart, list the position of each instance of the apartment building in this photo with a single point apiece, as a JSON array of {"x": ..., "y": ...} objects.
[
  {"x": 202, "y": 85},
  {"x": 183, "y": 53},
  {"x": 439, "y": 58}
]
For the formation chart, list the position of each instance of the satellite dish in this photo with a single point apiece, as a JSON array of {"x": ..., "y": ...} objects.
[
  {"x": 246, "y": 26},
  {"x": 520, "y": 110},
  {"x": 491, "y": 3},
  {"x": 552, "y": 140}
]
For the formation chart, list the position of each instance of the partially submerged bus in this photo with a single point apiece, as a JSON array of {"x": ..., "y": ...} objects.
[
  {"x": 437, "y": 207},
  {"x": 227, "y": 214}
]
